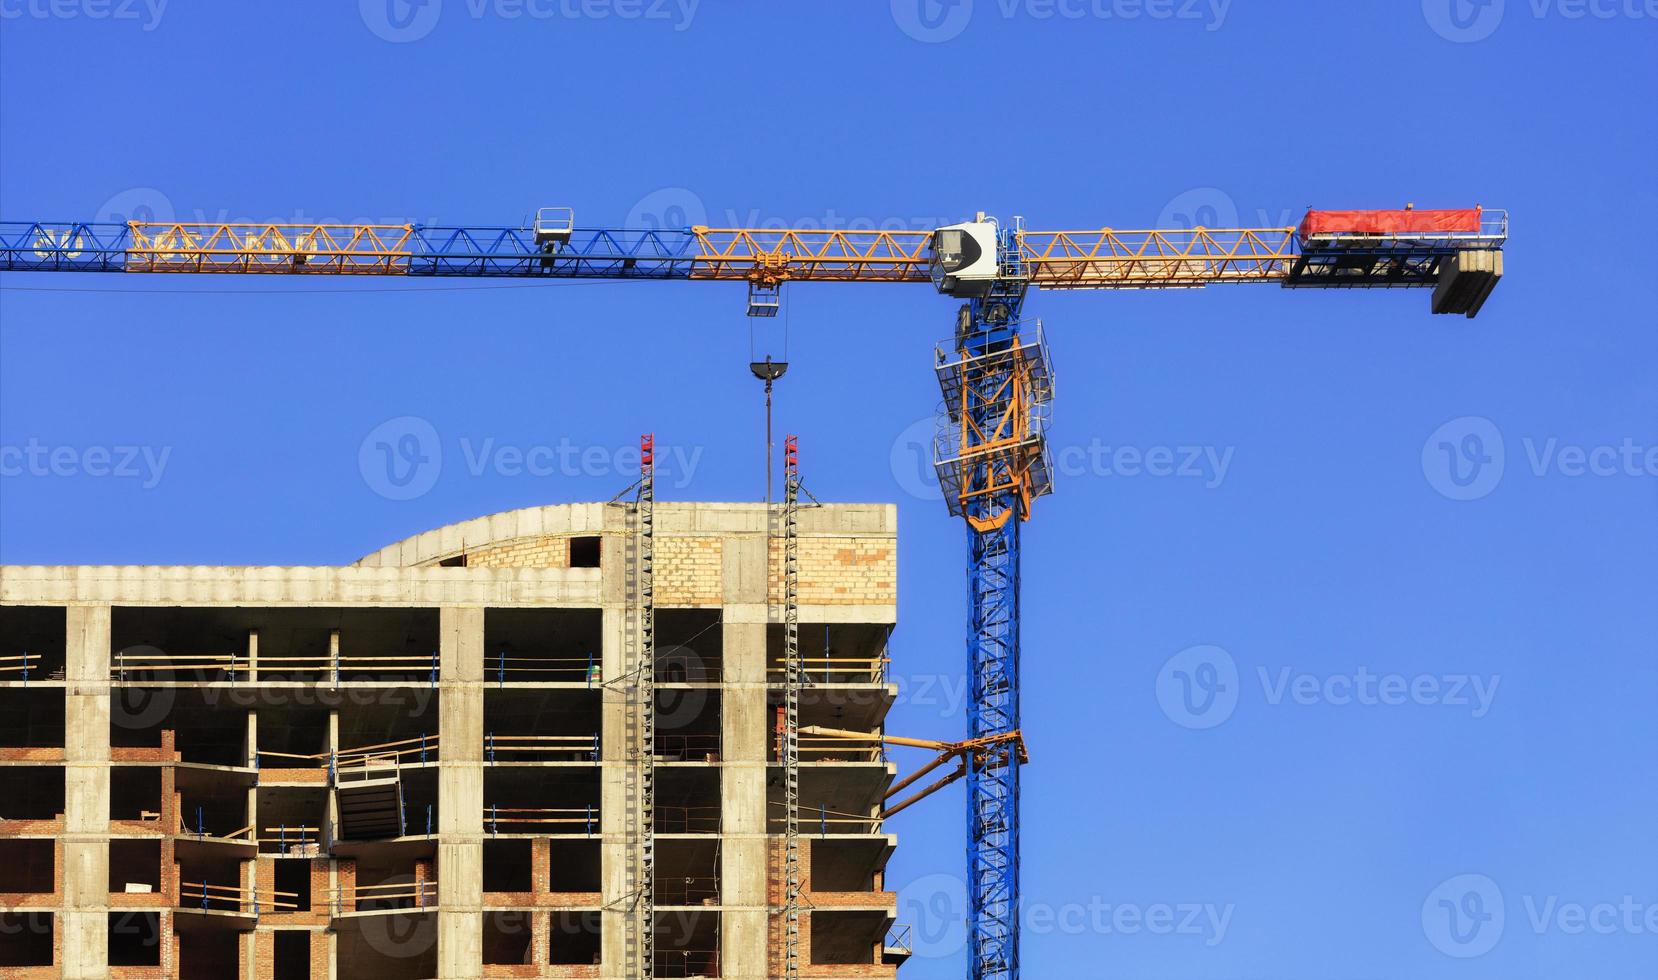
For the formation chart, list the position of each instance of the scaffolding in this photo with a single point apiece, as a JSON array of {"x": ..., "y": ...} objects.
[
  {"x": 642, "y": 724},
  {"x": 793, "y": 676}
]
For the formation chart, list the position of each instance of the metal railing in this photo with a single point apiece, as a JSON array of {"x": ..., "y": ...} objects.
[
  {"x": 834, "y": 670},
  {"x": 541, "y": 748},
  {"x": 898, "y": 940},
  {"x": 548, "y": 821},
  {"x": 386, "y": 897},
  {"x": 687, "y": 890},
  {"x": 562, "y": 669},
  {"x": 687, "y": 819},
  {"x": 678, "y": 963},
  {"x": 233, "y": 898},
  {"x": 688, "y": 748},
  {"x": 127, "y": 667}
]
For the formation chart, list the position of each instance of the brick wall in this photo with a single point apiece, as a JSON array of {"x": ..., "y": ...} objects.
[
  {"x": 833, "y": 570},
  {"x": 841, "y": 571},
  {"x": 546, "y": 551}
]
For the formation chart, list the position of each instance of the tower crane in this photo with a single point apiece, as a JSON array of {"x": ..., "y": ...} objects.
[{"x": 994, "y": 373}]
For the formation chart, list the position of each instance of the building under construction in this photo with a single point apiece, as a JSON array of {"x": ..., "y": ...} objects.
[{"x": 499, "y": 748}]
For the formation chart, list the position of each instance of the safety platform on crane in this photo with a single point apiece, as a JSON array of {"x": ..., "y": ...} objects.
[
  {"x": 553, "y": 227},
  {"x": 992, "y": 429}
]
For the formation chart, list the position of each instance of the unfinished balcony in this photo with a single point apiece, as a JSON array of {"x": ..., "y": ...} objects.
[
  {"x": 833, "y": 654},
  {"x": 32, "y": 645},
  {"x": 345, "y": 647},
  {"x": 31, "y": 724},
  {"x": 544, "y": 647}
]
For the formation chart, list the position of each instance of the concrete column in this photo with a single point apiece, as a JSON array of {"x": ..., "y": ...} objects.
[
  {"x": 85, "y": 922},
  {"x": 745, "y": 731},
  {"x": 460, "y": 792},
  {"x": 617, "y": 917}
]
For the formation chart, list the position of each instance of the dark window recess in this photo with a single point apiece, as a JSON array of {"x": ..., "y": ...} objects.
[
  {"x": 573, "y": 938},
  {"x": 28, "y": 939},
  {"x": 584, "y": 552},
  {"x": 134, "y": 939},
  {"x": 573, "y": 866},
  {"x": 26, "y": 865},
  {"x": 507, "y": 938},
  {"x": 458, "y": 561},
  {"x": 507, "y": 866},
  {"x": 293, "y": 955},
  {"x": 134, "y": 863},
  {"x": 293, "y": 875}
]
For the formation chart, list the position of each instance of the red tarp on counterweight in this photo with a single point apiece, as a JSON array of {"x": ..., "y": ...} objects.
[{"x": 1389, "y": 222}]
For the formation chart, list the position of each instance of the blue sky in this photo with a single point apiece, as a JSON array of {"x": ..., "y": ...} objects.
[{"x": 1433, "y": 668}]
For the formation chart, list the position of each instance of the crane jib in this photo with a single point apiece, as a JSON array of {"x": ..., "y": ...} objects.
[{"x": 1385, "y": 252}]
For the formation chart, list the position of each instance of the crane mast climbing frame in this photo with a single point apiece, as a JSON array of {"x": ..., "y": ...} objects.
[{"x": 990, "y": 452}]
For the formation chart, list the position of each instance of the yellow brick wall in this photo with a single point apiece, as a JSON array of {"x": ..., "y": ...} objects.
[
  {"x": 689, "y": 572},
  {"x": 546, "y": 551},
  {"x": 841, "y": 571}
]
